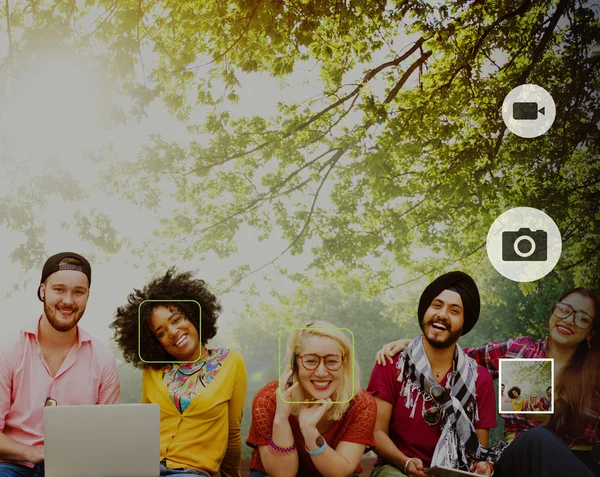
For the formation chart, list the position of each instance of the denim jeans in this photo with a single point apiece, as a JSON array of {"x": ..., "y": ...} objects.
[
  {"x": 541, "y": 453},
  {"x": 386, "y": 470},
  {"x": 177, "y": 472},
  {"x": 256, "y": 473},
  {"x": 8, "y": 469}
]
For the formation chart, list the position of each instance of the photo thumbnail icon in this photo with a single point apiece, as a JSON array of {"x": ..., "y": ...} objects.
[
  {"x": 527, "y": 111},
  {"x": 528, "y": 385},
  {"x": 525, "y": 245}
]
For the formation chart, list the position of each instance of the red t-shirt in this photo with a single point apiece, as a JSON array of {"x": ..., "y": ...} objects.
[
  {"x": 414, "y": 437},
  {"x": 356, "y": 425}
]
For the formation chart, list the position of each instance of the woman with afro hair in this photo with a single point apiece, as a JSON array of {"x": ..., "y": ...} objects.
[
  {"x": 164, "y": 329},
  {"x": 517, "y": 400}
]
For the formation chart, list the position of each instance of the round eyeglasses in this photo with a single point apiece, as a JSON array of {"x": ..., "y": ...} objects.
[
  {"x": 310, "y": 361},
  {"x": 433, "y": 415},
  {"x": 580, "y": 318}
]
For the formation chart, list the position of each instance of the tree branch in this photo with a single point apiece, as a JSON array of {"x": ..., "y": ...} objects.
[
  {"x": 392, "y": 94},
  {"x": 539, "y": 49},
  {"x": 260, "y": 200},
  {"x": 368, "y": 76},
  {"x": 8, "y": 30},
  {"x": 585, "y": 258},
  {"x": 137, "y": 27},
  {"x": 472, "y": 252},
  {"x": 519, "y": 11},
  {"x": 333, "y": 162},
  {"x": 233, "y": 44}
]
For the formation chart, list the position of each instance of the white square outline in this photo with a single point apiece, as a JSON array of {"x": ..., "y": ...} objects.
[{"x": 551, "y": 411}]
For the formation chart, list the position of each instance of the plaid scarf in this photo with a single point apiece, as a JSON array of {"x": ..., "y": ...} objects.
[{"x": 458, "y": 445}]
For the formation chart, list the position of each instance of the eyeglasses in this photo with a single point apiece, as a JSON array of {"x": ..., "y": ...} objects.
[
  {"x": 581, "y": 318},
  {"x": 433, "y": 415},
  {"x": 333, "y": 362}
]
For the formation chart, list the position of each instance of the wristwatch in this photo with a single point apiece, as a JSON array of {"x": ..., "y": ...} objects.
[{"x": 321, "y": 446}]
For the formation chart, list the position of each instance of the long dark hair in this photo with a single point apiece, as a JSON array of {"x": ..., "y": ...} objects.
[{"x": 580, "y": 378}]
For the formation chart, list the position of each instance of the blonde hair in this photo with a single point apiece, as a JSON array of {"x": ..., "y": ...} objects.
[{"x": 347, "y": 388}]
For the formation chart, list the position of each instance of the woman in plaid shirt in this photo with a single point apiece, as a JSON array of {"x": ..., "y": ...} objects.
[{"x": 573, "y": 342}]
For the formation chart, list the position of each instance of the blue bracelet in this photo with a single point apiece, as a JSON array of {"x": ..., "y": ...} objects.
[{"x": 318, "y": 451}]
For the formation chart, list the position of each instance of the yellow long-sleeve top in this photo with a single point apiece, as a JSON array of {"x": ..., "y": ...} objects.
[{"x": 207, "y": 435}]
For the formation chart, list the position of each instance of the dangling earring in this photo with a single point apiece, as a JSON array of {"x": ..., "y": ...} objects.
[{"x": 589, "y": 343}]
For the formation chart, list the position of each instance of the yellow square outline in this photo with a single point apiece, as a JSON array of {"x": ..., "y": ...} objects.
[
  {"x": 140, "y": 330},
  {"x": 279, "y": 362}
]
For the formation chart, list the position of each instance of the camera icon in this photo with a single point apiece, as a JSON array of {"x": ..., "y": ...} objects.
[
  {"x": 525, "y": 245},
  {"x": 527, "y": 111}
]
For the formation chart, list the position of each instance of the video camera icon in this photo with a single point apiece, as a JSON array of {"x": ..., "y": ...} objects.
[{"x": 528, "y": 111}]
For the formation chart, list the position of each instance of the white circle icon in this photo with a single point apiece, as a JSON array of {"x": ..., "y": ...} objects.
[
  {"x": 524, "y": 244},
  {"x": 528, "y": 111}
]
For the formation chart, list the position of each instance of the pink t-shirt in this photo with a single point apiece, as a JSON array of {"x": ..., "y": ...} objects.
[
  {"x": 88, "y": 375},
  {"x": 413, "y": 436}
]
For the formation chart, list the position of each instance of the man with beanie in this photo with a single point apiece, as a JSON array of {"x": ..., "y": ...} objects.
[
  {"x": 50, "y": 362},
  {"x": 435, "y": 405}
]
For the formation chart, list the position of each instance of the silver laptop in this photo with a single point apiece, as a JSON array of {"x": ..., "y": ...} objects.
[{"x": 102, "y": 441}]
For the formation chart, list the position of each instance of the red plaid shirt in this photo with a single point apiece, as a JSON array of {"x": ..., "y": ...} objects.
[{"x": 524, "y": 347}]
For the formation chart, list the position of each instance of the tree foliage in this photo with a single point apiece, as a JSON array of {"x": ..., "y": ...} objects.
[
  {"x": 530, "y": 376},
  {"x": 403, "y": 149}
]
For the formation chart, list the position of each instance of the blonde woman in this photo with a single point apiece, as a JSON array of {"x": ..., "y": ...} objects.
[{"x": 327, "y": 434}]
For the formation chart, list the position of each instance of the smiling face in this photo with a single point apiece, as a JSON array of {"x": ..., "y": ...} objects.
[
  {"x": 320, "y": 383},
  {"x": 443, "y": 321},
  {"x": 564, "y": 332},
  {"x": 177, "y": 335},
  {"x": 533, "y": 398},
  {"x": 65, "y": 294}
]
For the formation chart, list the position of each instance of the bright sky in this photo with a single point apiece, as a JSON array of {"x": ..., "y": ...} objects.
[
  {"x": 52, "y": 113},
  {"x": 113, "y": 276}
]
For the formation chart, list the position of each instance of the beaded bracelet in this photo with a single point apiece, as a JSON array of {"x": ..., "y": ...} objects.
[{"x": 281, "y": 450}]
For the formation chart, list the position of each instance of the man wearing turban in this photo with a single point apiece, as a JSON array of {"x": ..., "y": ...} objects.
[{"x": 435, "y": 405}]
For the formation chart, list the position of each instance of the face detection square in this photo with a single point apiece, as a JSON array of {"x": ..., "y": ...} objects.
[
  {"x": 319, "y": 361},
  {"x": 169, "y": 331}
]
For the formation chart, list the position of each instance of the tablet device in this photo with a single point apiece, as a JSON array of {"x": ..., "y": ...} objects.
[{"x": 441, "y": 471}]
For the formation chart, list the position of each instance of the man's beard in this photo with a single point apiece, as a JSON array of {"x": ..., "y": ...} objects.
[
  {"x": 453, "y": 338},
  {"x": 59, "y": 325}
]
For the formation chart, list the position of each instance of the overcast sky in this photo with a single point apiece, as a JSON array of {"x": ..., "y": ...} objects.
[{"x": 53, "y": 113}]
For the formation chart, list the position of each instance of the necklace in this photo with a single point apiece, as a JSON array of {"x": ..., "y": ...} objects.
[
  {"x": 203, "y": 356},
  {"x": 192, "y": 366},
  {"x": 437, "y": 373}
]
